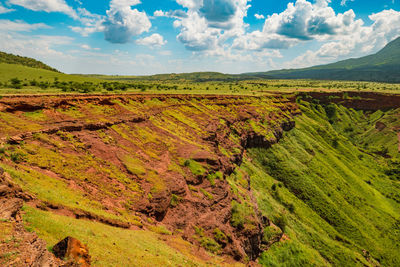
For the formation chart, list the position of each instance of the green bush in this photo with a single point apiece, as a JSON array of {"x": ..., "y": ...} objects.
[
  {"x": 17, "y": 157},
  {"x": 220, "y": 236},
  {"x": 280, "y": 221},
  {"x": 330, "y": 111}
]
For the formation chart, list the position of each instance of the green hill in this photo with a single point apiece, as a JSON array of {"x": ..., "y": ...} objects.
[
  {"x": 24, "y": 61},
  {"x": 383, "y": 66}
]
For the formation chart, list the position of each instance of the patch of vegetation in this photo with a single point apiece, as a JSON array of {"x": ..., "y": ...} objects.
[
  {"x": 219, "y": 236},
  {"x": 134, "y": 166},
  {"x": 17, "y": 157},
  {"x": 175, "y": 200},
  {"x": 207, "y": 194},
  {"x": 214, "y": 176},
  {"x": 242, "y": 215},
  {"x": 207, "y": 242},
  {"x": 161, "y": 229},
  {"x": 195, "y": 167},
  {"x": 291, "y": 254}
]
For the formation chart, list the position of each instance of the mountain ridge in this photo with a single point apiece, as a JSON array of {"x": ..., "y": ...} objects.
[{"x": 383, "y": 66}]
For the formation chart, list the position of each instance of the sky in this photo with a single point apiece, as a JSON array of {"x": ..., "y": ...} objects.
[{"x": 141, "y": 37}]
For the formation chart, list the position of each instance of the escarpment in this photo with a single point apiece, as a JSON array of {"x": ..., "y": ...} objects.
[
  {"x": 202, "y": 179},
  {"x": 148, "y": 161}
]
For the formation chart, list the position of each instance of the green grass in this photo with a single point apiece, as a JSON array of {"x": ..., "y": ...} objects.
[
  {"x": 24, "y": 61},
  {"x": 109, "y": 246},
  {"x": 195, "y": 167},
  {"x": 329, "y": 195},
  {"x": 54, "y": 191},
  {"x": 24, "y": 73},
  {"x": 134, "y": 166}
]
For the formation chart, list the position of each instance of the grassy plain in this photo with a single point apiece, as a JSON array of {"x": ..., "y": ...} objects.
[{"x": 33, "y": 81}]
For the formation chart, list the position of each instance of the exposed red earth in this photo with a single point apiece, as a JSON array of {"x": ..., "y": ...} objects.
[{"x": 358, "y": 100}]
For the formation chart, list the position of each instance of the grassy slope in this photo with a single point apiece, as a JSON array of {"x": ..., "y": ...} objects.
[
  {"x": 110, "y": 246},
  {"x": 336, "y": 199},
  {"x": 9, "y": 71},
  {"x": 24, "y": 61}
]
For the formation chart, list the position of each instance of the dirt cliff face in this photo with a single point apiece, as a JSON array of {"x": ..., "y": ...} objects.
[
  {"x": 367, "y": 101},
  {"x": 146, "y": 161}
]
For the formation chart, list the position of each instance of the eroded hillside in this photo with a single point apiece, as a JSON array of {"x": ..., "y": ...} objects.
[
  {"x": 154, "y": 161},
  {"x": 185, "y": 180}
]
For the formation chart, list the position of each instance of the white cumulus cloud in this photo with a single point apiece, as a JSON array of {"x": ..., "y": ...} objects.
[
  {"x": 123, "y": 22},
  {"x": 209, "y": 23},
  {"x": 154, "y": 40},
  {"x": 301, "y": 21}
]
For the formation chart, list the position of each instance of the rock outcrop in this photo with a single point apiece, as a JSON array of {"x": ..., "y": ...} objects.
[{"x": 73, "y": 251}]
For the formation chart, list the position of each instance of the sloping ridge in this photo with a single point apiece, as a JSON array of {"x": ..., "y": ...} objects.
[
  {"x": 383, "y": 66},
  {"x": 24, "y": 61}
]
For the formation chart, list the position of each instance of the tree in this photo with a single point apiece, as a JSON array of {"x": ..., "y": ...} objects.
[{"x": 16, "y": 83}]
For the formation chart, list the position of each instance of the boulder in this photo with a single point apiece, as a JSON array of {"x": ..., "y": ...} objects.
[{"x": 73, "y": 251}]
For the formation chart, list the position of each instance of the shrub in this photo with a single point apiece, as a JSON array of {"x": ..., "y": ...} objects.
[
  {"x": 16, "y": 83},
  {"x": 290, "y": 207},
  {"x": 220, "y": 236},
  {"x": 281, "y": 221},
  {"x": 17, "y": 157},
  {"x": 330, "y": 111},
  {"x": 335, "y": 143},
  {"x": 210, "y": 244},
  {"x": 175, "y": 200}
]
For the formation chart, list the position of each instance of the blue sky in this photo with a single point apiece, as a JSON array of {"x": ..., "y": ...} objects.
[{"x": 138, "y": 37}]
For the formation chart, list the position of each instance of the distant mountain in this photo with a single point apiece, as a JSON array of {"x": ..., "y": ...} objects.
[
  {"x": 24, "y": 61},
  {"x": 383, "y": 66}
]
